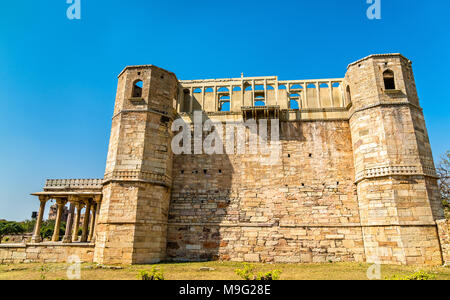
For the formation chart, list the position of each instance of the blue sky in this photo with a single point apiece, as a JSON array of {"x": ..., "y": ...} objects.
[{"x": 58, "y": 77}]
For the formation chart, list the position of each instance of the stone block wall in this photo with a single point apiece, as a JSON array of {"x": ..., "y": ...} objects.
[
  {"x": 44, "y": 253},
  {"x": 444, "y": 237},
  {"x": 302, "y": 209}
]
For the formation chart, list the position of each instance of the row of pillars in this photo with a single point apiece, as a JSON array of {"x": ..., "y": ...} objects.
[
  {"x": 92, "y": 211},
  {"x": 253, "y": 84}
]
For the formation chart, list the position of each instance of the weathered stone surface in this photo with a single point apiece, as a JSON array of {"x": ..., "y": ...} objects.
[{"x": 354, "y": 181}]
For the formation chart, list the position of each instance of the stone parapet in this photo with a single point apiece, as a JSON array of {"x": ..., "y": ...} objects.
[{"x": 45, "y": 252}]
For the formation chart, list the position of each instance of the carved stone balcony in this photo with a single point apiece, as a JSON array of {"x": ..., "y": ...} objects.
[{"x": 260, "y": 112}]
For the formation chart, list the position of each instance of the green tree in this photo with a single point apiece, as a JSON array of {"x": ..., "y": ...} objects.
[
  {"x": 10, "y": 228},
  {"x": 28, "y": 225},
  {"x": 443, "y": 171},
  {"x": 48, "y": 227}
]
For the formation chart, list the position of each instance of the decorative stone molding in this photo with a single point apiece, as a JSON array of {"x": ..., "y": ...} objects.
[
  {"x": 73, "y": 183},
  {"x": 161, "y": 179},
  {"x": 382, "y": 171}
]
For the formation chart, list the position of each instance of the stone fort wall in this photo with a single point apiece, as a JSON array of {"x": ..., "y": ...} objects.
[
  {"x": 303, "y": 208},
  {"x": 355, "y": 179}
]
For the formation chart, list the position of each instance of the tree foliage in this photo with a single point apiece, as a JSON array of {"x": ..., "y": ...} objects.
[
  {"x": 7, "y": 228},
  {"x": 443, "y": 171}
]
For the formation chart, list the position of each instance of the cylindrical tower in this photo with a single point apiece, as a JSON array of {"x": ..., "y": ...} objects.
[
  {"x": 132, "y": 225},
  {"x": 395, "y": 175}
]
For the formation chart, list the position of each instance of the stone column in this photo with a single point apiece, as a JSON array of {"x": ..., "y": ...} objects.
[
  {"x": 191, "y": 100},
  {"x": 97, "y": 215},
  {"x": 253, "y": 93},
  {"x": 61, "y": 203},
  {"x": 319, "y": 103},
  {"x": 330, "y": 85},
  {"x": 203, "y": 98},
  {"x": 84, "y": 235},
  {"x": 79, "y": 206},
  {"x": 92, "y": 223},
  {"x": 37, "y": 228},
  {"x": 216, "y": 101},
  {"x": 69, "y": 226},
  {"x": 305, "y": 89}
]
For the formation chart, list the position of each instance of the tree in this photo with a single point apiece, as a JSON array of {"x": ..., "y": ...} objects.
[
  {"x": 10, "y": 228},
  {"x": 443, "y": 171}
]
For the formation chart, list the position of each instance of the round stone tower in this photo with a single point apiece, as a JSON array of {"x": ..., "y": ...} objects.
[
  {"x": 132, "y": 225},
  {"x": 394, "y": 170}
]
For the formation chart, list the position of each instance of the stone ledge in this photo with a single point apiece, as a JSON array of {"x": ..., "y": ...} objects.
[{"x": 47, "y": 244}]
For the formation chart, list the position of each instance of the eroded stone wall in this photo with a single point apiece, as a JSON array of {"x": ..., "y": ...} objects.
[{"x": 302, "y": 209}]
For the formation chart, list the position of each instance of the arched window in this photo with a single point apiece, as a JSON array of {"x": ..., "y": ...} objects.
[
  {"x": 389, "y": 81},
  {"x": 137, "y": 89},
  {"x": 197, "y": 91},
  {"x": 237, "y": 89},
  {"x": 349, "y": 94}
]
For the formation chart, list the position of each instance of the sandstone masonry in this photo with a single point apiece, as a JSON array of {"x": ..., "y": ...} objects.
[{"x": 355, "y": 180}]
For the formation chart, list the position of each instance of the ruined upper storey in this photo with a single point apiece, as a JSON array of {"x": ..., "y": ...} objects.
[{"x": 290, "y": 100}]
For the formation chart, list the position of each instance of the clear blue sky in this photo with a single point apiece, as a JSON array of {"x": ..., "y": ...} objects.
[{"x": 58, "y": 77}]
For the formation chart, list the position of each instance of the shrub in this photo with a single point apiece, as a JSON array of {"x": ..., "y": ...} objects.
[
  {"x": 420, "y": 275},
  {"x": 152, "y": 275},
  {"x": 246, "y": 273},
  {"x": 271, "y": 275}
]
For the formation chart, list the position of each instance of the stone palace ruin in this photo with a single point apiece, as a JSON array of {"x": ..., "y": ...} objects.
[{"x": 355, "y": 178}]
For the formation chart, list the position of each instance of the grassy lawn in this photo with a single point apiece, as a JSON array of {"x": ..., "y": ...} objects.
[{"x": 221, "y": 271}]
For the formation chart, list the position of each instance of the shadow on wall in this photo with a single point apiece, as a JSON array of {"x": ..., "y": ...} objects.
[{"x": 201, "y": 198}]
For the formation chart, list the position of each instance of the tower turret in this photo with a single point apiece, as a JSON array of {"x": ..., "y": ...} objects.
[
  {"x": 132, "y": 226},
  {"x": 395, "y": 175}
]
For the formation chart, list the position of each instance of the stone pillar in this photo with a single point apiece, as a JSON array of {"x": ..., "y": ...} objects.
[
  {"x": 330, "y": 85},
  {"x": 216, "y": 101},
  {"x": 61, "y": 203},
  {"x": 97, "y": 215},
  {"x": 37, "y": 228},
  {"x": 84, "y": 235},
  {"x": 92, "y": 223},
  {"x": 191, "y": 100},
  {"x": 319, "y": 103},
  {"x": 276, "y": 91},
  {"x": 253, "y": 93},
  {"x": 305, "y": 89},
  {"x": 79, "y": 206},
  {"x": 69, "y": 226},
  {"x": 203, "y": 98}
]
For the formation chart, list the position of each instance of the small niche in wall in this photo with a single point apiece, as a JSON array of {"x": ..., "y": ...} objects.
[
  {"x": 310, "y": 155},
  {"x": 205, "y": 171},
  {"x": 220, "y": 171}
]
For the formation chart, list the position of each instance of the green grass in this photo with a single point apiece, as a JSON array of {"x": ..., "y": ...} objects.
[{"x": 222, "y": 271}]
